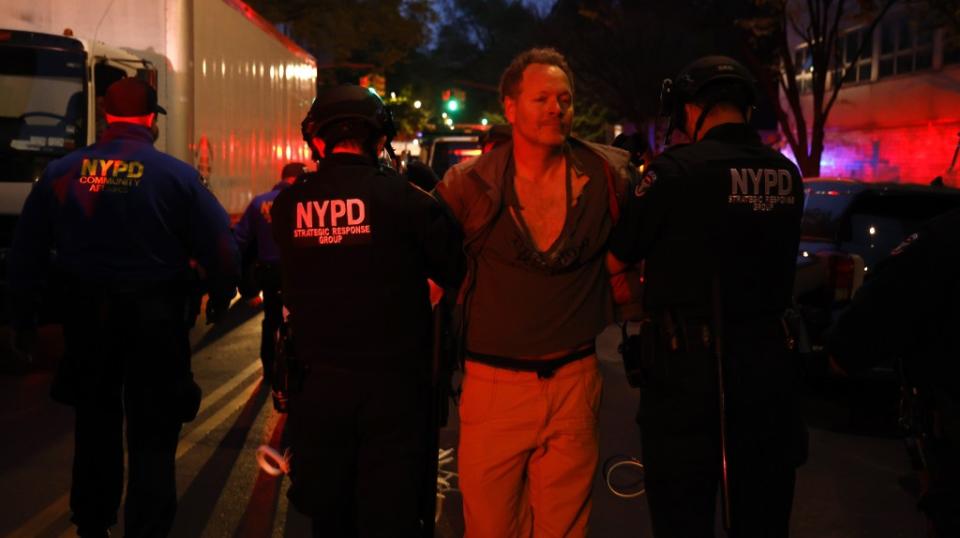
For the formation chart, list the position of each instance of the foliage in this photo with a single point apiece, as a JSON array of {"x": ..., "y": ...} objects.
[
  {"x": 621, "y": 51},
  {"x": 592, "y": 121},
  {"x": 408, "y": 119},
  {"x": 372, "y": 35},
  {"x": 947, "y": 12},
  {"x": 474, "y": 43}
]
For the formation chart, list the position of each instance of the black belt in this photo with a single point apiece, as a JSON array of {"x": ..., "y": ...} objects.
[{"x": 543, "y": 368}]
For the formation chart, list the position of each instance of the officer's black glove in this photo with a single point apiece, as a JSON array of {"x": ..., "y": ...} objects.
[{"x": 216, "y": 308}]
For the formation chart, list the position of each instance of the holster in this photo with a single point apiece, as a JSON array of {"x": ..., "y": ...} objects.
[
  {"x": 639, "y": 351},
  {"x": 267, "y": 277},
  {"x": 796, "y": 331},
  {"x": 289, "y": 372}
]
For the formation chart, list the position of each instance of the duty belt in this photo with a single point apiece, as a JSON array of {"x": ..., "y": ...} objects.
[{"x": 543, "y": 368}]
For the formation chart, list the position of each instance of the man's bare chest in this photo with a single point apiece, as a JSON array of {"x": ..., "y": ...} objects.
[{"x": 544, "y": 204}]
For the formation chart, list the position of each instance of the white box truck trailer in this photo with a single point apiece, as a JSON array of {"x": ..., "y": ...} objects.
[{"x": 235, "y": 89}]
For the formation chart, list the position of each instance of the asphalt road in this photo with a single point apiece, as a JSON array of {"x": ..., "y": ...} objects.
[{"x": 854, "y": 485}]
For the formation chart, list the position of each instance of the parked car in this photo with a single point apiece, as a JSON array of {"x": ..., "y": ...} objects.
[
  {"x": 440, "y": 151},
  {"x": 848, "y": 227}
]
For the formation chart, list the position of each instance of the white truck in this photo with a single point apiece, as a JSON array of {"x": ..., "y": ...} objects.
[{"x": 234, "y": 88}]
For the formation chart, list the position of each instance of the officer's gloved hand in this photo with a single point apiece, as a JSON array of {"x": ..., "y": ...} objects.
[{"x": 217, "y": 307}]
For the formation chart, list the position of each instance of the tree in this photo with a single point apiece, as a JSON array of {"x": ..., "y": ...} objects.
[
  {"x": 408, "y": 118},
  {"x": 946, "y": 11},
  {"x": 378, "y": 33},
  {"x": 474, "y": 43},
  {"x": 621, "y": 51},
  {"x": 819, "y": 26}
]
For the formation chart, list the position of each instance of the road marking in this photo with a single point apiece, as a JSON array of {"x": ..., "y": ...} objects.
[
  {"x": 201, "y": 431},
  {"x": 222, "y": 390},
  {"x": 46, "y": 517}
]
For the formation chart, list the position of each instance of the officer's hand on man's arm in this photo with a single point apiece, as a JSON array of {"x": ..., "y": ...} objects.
[
  {"x": 618, "y": 279},
  {"x": 641, "y": 216}
]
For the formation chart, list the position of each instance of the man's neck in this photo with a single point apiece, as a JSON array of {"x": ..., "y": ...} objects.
[{"x": 534, "y": 160}]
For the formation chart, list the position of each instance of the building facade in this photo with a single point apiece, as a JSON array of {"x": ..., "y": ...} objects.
[{"x": 897, "y": 117}]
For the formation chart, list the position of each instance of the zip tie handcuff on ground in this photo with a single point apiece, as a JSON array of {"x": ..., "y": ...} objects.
[
  {"x": 615, "y": 462},
  {"x": 272, "y": 462}
]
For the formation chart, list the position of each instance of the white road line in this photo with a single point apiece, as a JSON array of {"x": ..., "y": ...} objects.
[
  {"x": 46, "y": 517},
  {"x": 222, "y": 390},
  {"x": 201, "y": 431}
]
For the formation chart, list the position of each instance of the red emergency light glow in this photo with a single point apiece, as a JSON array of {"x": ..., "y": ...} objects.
[{"x": 908, "y": 154}]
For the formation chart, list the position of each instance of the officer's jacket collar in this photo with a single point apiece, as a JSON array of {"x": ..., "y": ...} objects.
[
  {"x": 127, "y": 131},
  {"x": 346, "y": 159},
  {"x": 732, "y": 132}
]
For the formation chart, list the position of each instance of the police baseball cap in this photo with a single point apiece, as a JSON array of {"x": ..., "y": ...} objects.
[{"x": 129, "y": 97}]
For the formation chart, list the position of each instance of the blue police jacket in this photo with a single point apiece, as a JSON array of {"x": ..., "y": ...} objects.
[
  {"x": 253, "y": 231},
  {"x": 120, "y": 212}
]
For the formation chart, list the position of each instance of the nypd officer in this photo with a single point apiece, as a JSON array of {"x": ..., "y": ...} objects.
[
  {"x": 130, "y": 227},
  {"x": 258, "y": 249},
  {"x": 717, "y": 222},
  {"x": 357, "y": 245},
  {"x": 907, "y": 310}
]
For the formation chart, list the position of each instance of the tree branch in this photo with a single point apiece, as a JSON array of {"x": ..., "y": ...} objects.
[{"x": 867, "y": 37}]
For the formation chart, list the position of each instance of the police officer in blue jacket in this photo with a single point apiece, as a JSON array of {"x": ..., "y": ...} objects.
[
  {"x": 129, "y": 228},
  {"x": 259, "y": 250}
]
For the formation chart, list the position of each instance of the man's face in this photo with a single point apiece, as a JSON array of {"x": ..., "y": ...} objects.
[{"x": 542, "y": 111}]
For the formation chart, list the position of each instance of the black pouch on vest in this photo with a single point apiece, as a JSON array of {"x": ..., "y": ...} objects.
[{"x": 638, "y": 352}]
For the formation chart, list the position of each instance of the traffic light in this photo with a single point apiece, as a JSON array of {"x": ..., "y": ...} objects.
[
  {"x": 453, "y": 100},
  {"x": 375, "y": 83}
]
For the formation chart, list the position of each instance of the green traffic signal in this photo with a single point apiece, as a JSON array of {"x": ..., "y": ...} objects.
[{"x": 453, "y": 105}]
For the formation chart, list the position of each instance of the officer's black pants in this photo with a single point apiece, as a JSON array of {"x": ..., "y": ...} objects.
[
  {"x": 268, "y": 280},
  {"x": 272, "y": 317},
  {"x": 122, "y": 364},
  {"x": 358, "y": 445},
  {"x": 941, "y": 501},
  {"x": 679, "y": 420}
]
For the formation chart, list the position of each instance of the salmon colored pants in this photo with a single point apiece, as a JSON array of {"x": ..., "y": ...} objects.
[{"x": 528, "y": 450}]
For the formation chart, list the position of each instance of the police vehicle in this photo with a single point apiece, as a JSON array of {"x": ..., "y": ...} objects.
[{"x": 848, "y": 227}]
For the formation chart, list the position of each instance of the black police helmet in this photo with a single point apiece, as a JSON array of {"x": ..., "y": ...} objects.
[
  {"x": 695, "y": 77},
  {"x": 347, "y": 102},
  {"x": 698, "y": 75}
]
